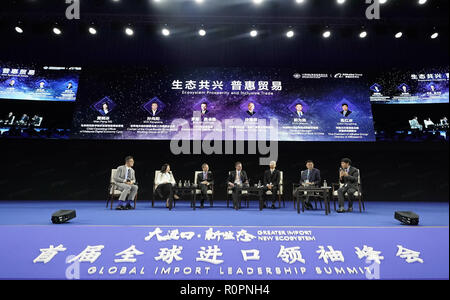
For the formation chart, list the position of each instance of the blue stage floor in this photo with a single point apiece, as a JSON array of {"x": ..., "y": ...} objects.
[
  {"x": 214, "y": 243},
  {"x": 95, "y": 213}
]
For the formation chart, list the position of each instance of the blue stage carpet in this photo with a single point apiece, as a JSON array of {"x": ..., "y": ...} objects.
[
  {"x": 95, "y": 213},
  {"x": 220, "y": 243}
]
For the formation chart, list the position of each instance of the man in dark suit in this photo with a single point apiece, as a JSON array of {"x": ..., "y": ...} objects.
[
  {"x": 24, "y": 120},
  {"x": 251, "y": 109},
  {"x": 271, "y": 183},
  {"x": 204, "y": 108},
  {"x": 237, "y": 181},
  {"x": 348, "y": 177},
  {"x": 204, "y": 181},
  {"x": 299, "y": 113},
  {"x": 155, "y": 111},
  {"x": 309, "y": 177},
  {"x": 345, "y": 111}
]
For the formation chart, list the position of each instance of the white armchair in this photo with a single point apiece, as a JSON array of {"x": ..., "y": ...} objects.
[
  {"x": 113, "y": 192},
  {"x": 358, "y": 193}
]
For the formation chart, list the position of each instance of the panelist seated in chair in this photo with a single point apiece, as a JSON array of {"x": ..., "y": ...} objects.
[
  {"x": 125, "y": 180},
  {"x": 414, "y": 124},
  {"x": 165, "y": 185},
  {"x": 9, "y": 119},
  {"x": 271, "y": 182},
  {"x": 205, "y": 180},
  {"x": 24, "y": 120},
  {"x": 348, "y": 177},
  {"x": 237, "y": 180},
  {"x": 429, "y": 124},
  {"x": 309, "y": 177}
]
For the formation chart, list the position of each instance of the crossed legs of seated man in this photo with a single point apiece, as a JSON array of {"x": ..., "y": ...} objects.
[
  {"x": 204, "y": 193},
  {"x": 237, "y": 194},
  {"x": 273, "y": 197},
  {"x": 128, "y": 194},
  {"x": 341, "y": 197},
  {"x": 298, "y": 193},
  {"x": 308, "y": 204}
]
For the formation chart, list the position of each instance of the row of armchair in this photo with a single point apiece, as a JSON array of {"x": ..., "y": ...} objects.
[{"x": 114, "y": 193}]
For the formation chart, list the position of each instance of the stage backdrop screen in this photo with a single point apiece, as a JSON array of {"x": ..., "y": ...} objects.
[
  {"x": 411, "y": 105},
  {"x": 43, "y": 84},
  {"x": 427, "y": 86},
  {"x": 227, "y": 104}
]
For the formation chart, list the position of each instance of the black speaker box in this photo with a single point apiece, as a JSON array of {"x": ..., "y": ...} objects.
[
  {"x": 62, "y": 216},
  {"x": 407, "y": 217}
]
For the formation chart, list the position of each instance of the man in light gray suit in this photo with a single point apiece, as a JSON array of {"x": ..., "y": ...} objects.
[{"x": 125, "y": 181}]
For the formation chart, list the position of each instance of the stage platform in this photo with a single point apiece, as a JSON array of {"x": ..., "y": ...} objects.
[
  {"x": 95, "y": 213},
  {"x": 221, "y": 243}
]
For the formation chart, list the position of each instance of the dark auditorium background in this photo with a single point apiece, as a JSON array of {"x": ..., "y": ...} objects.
[{"x": 80, "y": 169}]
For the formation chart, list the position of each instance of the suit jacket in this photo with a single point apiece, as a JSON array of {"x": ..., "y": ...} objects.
[
  {"x": 209, "y": 177},
  {"x": 352, "y": 179},
  {"x": 121, "y": 173},
  {"x": 156, "y": 113},
  {"x": 251, "y": 113},
  {"x": 302, "y": 114},
  {"x": 314, "y": 176},
  {"x": 348, "y": 113},
  {"x": 232, "y": 176},
  {"x": 273, "y": 177}
]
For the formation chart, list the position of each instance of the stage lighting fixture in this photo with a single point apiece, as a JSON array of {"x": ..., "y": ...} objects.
[
  {"x": 398, "y": 35},
  {"x": 363, "y": 34},
  {"x": 202, "y": 32},
  {"x": 300, "y": 1},
  {"x": 92, "y": 30},
  {"x": 383, "y": 1},
  {"x": 257, "y": 1},
  {"x": 165, "y": 32},
  {"x": 326, "y": 34},
  {"x": 290, "y": 34},
  {"x": 18, "y": 29},
  {"x": 129, "y": 31},
  {"x": 199, "y": 1},
  {"x": 340, "y": 1},
  {"x": 435, "y": 35},
  {"x": 57, "y": 31},
  {"x": 422, "y": 2},
  {"x": 253, "y": 33}
]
